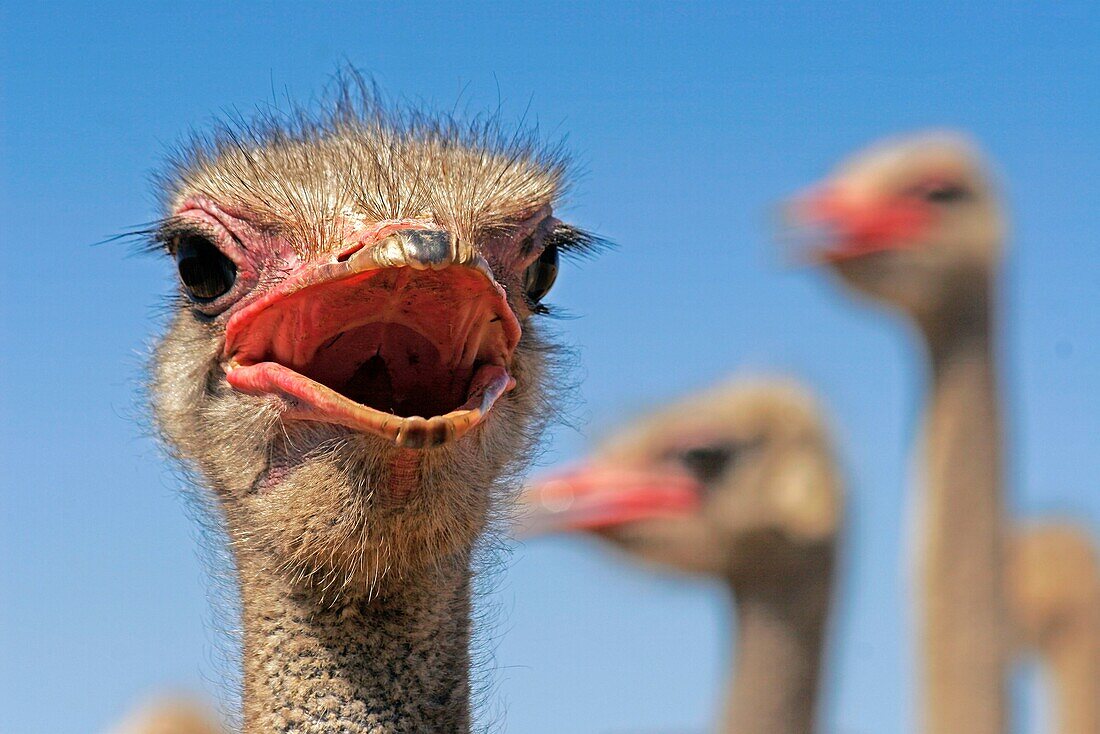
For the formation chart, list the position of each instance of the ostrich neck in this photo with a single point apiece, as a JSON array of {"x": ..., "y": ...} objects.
[
  {"x": 777, "y": 659},
  {"x": 386, "y": 664},
  {"x": 1074, "y": 666},
  {"x": 963, "y": 617}
]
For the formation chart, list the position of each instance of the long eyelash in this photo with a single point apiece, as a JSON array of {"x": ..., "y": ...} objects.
[
  {"x": 172, "y": 230},
  {"x": 554, "y": 311},
  {"x": 152, "y": 237},
  {"x": 574, "y": 242}
]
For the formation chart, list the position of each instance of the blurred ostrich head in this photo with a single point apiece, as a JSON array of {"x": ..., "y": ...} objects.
[
  {"x": 909, "y": 221},
  {"x": 738, "y": 482}
]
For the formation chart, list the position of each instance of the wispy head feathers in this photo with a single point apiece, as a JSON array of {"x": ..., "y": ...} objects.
[{"x": 359, "y": 156}]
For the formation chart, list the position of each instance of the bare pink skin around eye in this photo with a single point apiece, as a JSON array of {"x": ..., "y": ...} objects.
[
  {"x": 251, "y": 250},
  {"x": 503, "y": 249}
]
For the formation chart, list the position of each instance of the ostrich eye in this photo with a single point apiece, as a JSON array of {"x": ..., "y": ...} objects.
[
  {"x": 708, "y": 463},
  {"x": 944, "y": 193},
  {"x": 540, "y": 275},
  {"x": 205, "y": 271}
]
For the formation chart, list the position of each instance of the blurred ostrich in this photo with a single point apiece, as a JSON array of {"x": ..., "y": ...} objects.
[
  {"x": 355, "y": 370},
  {"x": 740, "y": 483},
  {"x": 916, "y": 225},
  {"x": 1054, "y": 595},
  {"x": 169, "y": 716}
]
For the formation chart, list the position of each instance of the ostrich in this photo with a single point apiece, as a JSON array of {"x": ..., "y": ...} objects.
[
  {"x": 1053, "y": 581},
  {"x": 354, "y": 369},
  {"x": 915, "y": 223},
  {"x": 740, "y": 483}
]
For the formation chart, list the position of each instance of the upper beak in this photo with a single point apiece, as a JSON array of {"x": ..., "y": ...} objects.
[{"x": 595, "y": 495}]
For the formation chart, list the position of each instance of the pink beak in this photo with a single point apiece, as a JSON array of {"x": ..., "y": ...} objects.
[
  {"x": 595, "y": 496},
  {"x": 853, "y": 229}
]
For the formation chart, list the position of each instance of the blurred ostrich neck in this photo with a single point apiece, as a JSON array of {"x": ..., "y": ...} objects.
[
  {"x": 780, "y": 632},
  {"x": 393, "y": 663},
  {"x": 1074, "y": 663},
  {"x": 1069, "y": 649},
  {"x": 963, "y": 621}
]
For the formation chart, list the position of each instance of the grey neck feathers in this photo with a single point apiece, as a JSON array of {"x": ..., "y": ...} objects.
[
  {"x": 395, "y": 663},
  {"x": 962, "y": 539},
  {"x": 781, "y": 625}
]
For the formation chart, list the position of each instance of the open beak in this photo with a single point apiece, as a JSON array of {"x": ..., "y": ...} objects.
[
  {"x": 828, "y": 224},
  {"x": 597, "y": 496},
  {"x": 408, "y": 337}
]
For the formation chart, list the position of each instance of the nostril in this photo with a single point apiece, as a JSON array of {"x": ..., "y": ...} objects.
[
  {"x": 346, "y": 254},
  {"x": 421, "y": 249}
]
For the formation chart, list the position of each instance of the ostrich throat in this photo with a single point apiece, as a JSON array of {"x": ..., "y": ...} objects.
[{"x": 392, "y": 661}]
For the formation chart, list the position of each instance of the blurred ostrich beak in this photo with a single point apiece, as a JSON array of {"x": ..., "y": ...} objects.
[
  {"x": 593, "y": 496},
  {"x": 829, "y": 223}
]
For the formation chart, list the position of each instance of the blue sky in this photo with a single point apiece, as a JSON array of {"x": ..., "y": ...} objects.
[{"x": 691, "y": 122}]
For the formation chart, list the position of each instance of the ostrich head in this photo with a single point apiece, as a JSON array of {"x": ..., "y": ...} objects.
[
  {"x": 911, "y": 222},
  {"x": 354, "y": 361},
  {"x": 737, "y": 482},
  {"x": 1054, "y": 583}
]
